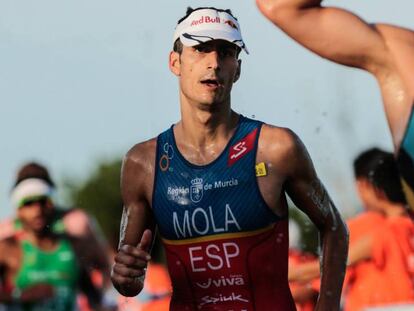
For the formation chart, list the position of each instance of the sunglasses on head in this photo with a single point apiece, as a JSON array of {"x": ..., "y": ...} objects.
[{"x": 36, "y": 200}]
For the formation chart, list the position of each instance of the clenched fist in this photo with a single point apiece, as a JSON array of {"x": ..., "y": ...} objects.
[{"x": 128, "y": 272}]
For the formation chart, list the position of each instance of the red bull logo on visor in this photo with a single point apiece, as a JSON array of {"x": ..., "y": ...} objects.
[
  {"x": 205, "y": 19},
  {"x": 203, "y": 25}
]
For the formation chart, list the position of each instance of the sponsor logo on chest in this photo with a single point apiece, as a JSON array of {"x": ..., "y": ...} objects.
[
  {"x": 241, "y": 148},
  {"x": 195, "y": 191}
]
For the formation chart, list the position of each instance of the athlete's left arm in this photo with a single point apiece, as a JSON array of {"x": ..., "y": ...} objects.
[{"x": 308, "y": 193}]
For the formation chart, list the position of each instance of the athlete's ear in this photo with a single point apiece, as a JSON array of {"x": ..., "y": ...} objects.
[
  {"x": 238, "y": 71},
  {"x": 174, "y": 63}
]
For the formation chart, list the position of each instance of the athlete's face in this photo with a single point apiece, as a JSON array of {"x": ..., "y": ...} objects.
[
  {"x": 35, "y": 214},
  {"x": 206, "y": 71}
]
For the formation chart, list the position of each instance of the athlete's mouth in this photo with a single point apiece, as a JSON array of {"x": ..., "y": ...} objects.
[{"x": 211, "y": 82}]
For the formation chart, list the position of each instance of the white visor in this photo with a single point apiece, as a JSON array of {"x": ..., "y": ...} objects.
[
  {"x": 204, "y": 25},
  {"x": 28, "y": 188}
]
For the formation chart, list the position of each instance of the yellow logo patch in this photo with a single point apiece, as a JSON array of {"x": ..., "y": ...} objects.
[{"x": 261, "y": 169}]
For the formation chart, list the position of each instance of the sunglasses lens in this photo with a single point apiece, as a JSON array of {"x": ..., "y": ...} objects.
[{"x": 42, "y": 201}]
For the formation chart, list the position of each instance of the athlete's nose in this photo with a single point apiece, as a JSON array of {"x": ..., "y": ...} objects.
[{"x": 213, "y": 60}]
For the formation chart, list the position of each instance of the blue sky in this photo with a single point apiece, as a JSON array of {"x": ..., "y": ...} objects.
[{"x": 82, "y": 81}]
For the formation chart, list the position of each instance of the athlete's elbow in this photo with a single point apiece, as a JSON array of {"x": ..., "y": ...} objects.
[
  {"x": 338, "y": 230},
  {"x": 277, "y": 11},
  {"x": 342, "y": 228},
  {"x": 335, "y": 226}
]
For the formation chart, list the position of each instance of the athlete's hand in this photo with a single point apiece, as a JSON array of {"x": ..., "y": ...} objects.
[
  {"x": 36, "y": 293},
  {"x": 130, "y": 265}
]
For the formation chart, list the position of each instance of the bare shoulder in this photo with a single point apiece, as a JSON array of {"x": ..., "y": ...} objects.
[
  {"x": 392, "y": 32},
  {"x": 142, "y": 153},
  {"x": 140, "y": 159},
  {"x": 279, "y": 142},
  {"x": 138, "y": 169},
  {"x": 282, "y": 148},
  {"x": 400, "y": 43}
]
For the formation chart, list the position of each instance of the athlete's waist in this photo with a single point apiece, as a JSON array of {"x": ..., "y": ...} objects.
[
  {"x": 229, "y": 262},
  {"x": 219, "y": 235}
]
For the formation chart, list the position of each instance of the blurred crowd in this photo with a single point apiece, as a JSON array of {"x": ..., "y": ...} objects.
[
  {"x": 380, "y": 273},
  {"x": 54, "y": 258}
]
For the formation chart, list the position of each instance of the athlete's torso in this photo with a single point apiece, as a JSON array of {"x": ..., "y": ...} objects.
[
  {"x": 57, "y": 268},
  {"x": 226, "y": 249}
]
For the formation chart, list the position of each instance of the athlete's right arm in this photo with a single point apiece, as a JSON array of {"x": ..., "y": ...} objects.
[
  {"x": 332, "y": 33},
  {"x": 309, "y": 194},
  {"x": 137, "y": 222}
]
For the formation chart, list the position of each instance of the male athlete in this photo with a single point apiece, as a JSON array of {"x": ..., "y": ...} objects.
[
  {"x": 73, "y": 222},
  {"x": 39, "y": 268},
  {"x": 385, "y": 51},
  {"x": 215, "y": 185}
]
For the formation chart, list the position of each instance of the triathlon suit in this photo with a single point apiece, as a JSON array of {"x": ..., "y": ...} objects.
[
  {"x": 405, "y": 159},
  {"x": 225, "y": 248},
  {"x": 57, "y": 268}
]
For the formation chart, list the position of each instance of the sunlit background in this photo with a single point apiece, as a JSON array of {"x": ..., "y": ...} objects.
[{"x": 82, "y": 81}]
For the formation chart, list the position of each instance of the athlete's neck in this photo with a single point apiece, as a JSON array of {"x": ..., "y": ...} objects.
[{"x": 202, "y": 135}]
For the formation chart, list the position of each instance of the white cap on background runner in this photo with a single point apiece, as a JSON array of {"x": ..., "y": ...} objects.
[
  {"x": 28, "y": 188},
  {"x": 203, "y": 25}
]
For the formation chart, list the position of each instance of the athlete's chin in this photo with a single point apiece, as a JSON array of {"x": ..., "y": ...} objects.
[
  {"x": 206, "y": 102},
  {"x": 212, "y": 100}
]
